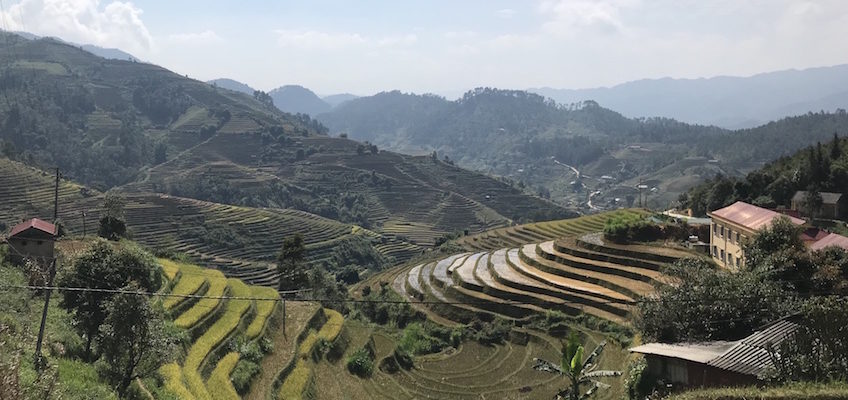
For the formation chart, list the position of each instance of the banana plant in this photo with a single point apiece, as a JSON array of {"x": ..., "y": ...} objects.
[{"x": 580, "y": 372}]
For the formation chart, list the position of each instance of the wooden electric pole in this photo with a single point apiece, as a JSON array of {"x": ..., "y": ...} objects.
[{"x": 39, "y": 358}]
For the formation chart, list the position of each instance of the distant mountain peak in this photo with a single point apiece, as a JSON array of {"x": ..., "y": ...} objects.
[{"x": 298, "y": 99}]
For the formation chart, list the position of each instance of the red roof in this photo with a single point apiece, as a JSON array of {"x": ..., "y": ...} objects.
[
  {"x": 750, "y": 216},
  {"x": 830, "y": 240},
  {"x": 34, "y": 223}
]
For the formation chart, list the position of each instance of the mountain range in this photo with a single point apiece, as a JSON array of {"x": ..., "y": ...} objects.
[
  {"x": 725, "y": 101},
  {"x": 290, "y": 98},
  {"x": 584, "y": 154},
  {"x": 189, "y": 154}
]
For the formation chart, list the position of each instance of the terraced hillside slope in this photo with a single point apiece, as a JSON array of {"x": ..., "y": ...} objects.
[
  {"x": 240, "y": 241},
  {"x": 242, "y": 316},
  {"x": 574, "y": 275},
  {"x": 414, "y": 198},
  {"x": 112, "y": 123},
  {"x": 515, "y": 236},
  {"x": 471, "y": 371}
]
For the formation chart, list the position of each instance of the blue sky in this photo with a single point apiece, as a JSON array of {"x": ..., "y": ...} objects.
[{"x": 447, "y": 47}]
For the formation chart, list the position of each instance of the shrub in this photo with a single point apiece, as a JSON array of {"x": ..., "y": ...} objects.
[
  {"x": 243, "y": 374},
  {"x": 361, "y": 363},
  {"x": 631, "y": 227},
  {"x": 496, "y": 331}
]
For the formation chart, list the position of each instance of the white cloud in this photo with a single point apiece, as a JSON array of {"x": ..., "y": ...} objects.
[
  {"x": 196, "y": 38},
  {"x": 571, "y": 17},
  {"x": 506, "y": 13},
  {"x": 115, "y": 24}
]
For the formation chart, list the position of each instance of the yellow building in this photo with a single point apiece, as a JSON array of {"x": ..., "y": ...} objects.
[{"x": 732, "y": 225}]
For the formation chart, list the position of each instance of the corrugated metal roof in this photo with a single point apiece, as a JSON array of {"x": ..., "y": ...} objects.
[
  {"x": 697, "y": 352},
  {"x": 827, "y": 197},
  {"x": 750, "y": 355},
  {"x": 750, "y": 216},
  {"x": 830, "y": 240},
  {"x": 34, "y": 223}
]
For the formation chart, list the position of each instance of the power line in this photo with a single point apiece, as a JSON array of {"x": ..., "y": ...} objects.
[{"x": 363, "y": 301}]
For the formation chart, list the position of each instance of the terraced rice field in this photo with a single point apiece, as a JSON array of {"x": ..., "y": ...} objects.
[
  {"x": 180, "y": 224},
  {"x": 515, "y": 236},
  {"x": 572, "y": 275},
  {"x": 472, "y": 371},
  {"x": 204, "y": 373}
]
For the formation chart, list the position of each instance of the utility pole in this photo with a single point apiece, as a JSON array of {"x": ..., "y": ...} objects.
[
  {"x": 56, "y": 199},
  {"x": 39, "y": 358}
]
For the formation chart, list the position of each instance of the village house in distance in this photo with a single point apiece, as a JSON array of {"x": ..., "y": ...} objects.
[{"x": 33, "y": 239}]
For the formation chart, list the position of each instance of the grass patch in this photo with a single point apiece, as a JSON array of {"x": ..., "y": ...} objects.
[
  {"x": 296, "y": 382},
  {"x": 217, "y": 285},
  {"x": 219, "y": 383},
  {"x": 264, "y": 309},
  {"x": 79, "y": 380}
]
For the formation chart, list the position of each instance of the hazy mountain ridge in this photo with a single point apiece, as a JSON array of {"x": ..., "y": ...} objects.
[
  {"x": 298, "y": 99},
  {"x": 730, "y": 102},
  {"x": 105, "y": 52},
  {"x": 233, "y": 85}
]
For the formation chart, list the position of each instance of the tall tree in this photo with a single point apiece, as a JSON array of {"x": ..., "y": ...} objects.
[
  {"x": 135, "y": 339},
  {"x": 112, "y": 225},
  {"x": 103, "y": 267},
  {"x": 835, "y": 148},
  {"x": 291, "y": 263}
]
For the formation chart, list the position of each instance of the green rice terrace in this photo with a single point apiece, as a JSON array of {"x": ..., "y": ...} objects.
[
  {"x": 220, "y": 329},
  {"x": 240, "y": 241}
]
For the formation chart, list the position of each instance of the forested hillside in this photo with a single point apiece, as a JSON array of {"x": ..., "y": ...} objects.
[
  {"x": 141, "y": 129},
  {"x": 527, "y": 138},
  {"x": 818, "y": 168},
  {"x": 101, "y": 120}
]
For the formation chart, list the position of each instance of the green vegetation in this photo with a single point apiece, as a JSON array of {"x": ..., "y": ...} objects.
[
  {"x": 818, "y": 168},
  {"x": 104, "y": 267},
  {"x": 361, "y": 363},
  {"x": 264, "y": 309},
  {"x": 629, "y": 228},
  {"x": 290, "y": 262},
  {"x": 134, "y": 339},
  {"x": 578, "y": 371}
]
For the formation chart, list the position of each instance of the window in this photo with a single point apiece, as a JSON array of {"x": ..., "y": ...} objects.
[
  {"x": 715, "y": 251},
  {"x": 738, "y": 261},
  {"x": 721, "y": 231},
  {"x": 738, "y": 237},
  {"x": 730, "y": 260},
  {"x": 722, "y": 256},
  {"x": 730, "y": 235}
]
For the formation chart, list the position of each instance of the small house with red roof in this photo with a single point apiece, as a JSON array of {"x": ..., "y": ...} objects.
[{"x": 32, "y": 239}]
